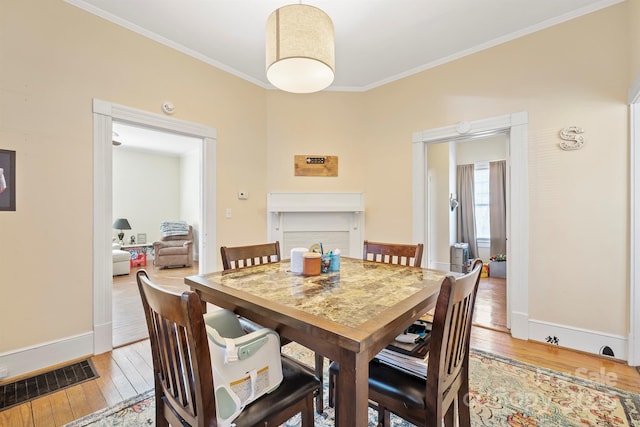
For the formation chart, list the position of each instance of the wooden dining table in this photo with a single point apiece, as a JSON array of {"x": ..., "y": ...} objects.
[{"x": 347, "y": 316}]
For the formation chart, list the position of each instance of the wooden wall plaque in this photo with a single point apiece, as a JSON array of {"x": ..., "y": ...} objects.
[{"x": 315, "y": 165}]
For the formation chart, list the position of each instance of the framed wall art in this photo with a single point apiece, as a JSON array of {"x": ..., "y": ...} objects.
[{"x": 7, "y": 180}]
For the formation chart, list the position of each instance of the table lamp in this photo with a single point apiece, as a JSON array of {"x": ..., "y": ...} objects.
[{"x": 121, "y": 224}]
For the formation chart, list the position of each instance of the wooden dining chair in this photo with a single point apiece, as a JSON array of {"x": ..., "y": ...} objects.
[
  {"x": 430, "y": 401},
  {"x": 183, "y": 374},
  {"x": 389, "y": 253},
  {"x": 393, "y": 253},
  {"x": 246, "y": 256}
]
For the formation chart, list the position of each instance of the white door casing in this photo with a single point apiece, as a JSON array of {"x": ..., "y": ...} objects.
[
  {"x": 516, "y": 124},
  {"x": 103, "y": 115}
]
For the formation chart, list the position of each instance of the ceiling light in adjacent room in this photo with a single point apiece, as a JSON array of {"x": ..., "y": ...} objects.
[{"x": 300, "y": 49}]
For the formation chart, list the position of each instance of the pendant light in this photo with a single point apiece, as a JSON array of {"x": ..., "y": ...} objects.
[{"x": 300, "y": 49}]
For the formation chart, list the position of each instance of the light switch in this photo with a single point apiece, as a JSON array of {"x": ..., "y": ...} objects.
[{"x": 228, "y": 213}]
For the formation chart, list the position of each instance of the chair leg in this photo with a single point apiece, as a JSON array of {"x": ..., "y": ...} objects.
[
  {"x": 307, "y": 413},
  {"x": 464, "y": 402},
  {"x": 332, "y": 392},
  {"x": 384, "y": 416},
  {"x": 319, "y": 374}
]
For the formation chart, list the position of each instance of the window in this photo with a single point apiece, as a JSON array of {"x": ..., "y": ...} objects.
[{"x": 481, "y": 195}]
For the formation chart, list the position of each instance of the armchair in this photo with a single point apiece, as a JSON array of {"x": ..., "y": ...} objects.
[{"x": 174, "y": 251}]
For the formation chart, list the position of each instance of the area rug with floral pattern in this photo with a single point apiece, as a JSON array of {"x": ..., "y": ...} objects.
[{"x": 504, "y": 392}]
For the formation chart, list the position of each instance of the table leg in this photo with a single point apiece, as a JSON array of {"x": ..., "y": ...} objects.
[{"x": 352, "y": 390}]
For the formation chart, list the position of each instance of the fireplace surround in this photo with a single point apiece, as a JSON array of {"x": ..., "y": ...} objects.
[{"x": 301, "y": 219}]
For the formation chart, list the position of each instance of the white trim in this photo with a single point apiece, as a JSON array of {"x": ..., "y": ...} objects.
[
  {"x": 578, "y": 339},
  {"x": 315, "y": 202},
  {"x": 104, "y": 113},
  {"x": 35, "y": 358},
  {"x": 517, "y": 207},
  {"x": 633, "y": 94},
  {"x": 634, "y": 225}
]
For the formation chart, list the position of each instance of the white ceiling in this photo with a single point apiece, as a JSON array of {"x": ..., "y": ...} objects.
[
  {"x": 152, "y": 140},
  {"x": 377, "y": 41}
]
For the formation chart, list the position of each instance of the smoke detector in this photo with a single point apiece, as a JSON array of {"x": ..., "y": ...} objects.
[{"x": 168, "y": 107}]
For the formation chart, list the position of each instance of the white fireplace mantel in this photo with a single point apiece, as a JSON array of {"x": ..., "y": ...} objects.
[
  {"x": 315, "y": 202},
  {"x": 321, "y": 216}
]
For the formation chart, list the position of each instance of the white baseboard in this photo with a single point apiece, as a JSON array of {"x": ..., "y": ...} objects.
[
  {"x": 519, "y": 325},
  {"x": 578, "y": 339},
  {"x": 27, "y": 360},
  {"x": 103, "y": 338}
]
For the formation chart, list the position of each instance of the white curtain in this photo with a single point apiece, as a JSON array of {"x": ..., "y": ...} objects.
[
  {"x": 466, "y": 217},
  {"x": 497, "y": 207}
]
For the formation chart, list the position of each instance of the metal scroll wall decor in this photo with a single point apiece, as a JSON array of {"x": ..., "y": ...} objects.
[{"x": 573, "y": 138}]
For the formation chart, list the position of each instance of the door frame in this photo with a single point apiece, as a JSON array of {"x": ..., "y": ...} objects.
[
  {"x": 633, "y": 338},
  {"x": 104, "y": 113},
  {"x": 516, "y": 125}
]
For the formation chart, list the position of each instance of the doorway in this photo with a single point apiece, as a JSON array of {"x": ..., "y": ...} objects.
[
  {"x": 104, "y": 113},
  {"x": 150, "y": 168},
  {"x": 474, "y": 184},
  {"x": 516, "y": 126}
]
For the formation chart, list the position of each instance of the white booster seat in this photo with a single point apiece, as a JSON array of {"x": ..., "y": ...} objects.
[{"x": 245, "y": 365}]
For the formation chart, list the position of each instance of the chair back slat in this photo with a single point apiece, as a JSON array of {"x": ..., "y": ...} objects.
[
  {"x": 393, "y": 253},
  {"x": 247, "y": 256}
]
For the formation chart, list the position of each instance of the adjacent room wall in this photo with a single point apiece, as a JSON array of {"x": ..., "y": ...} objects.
[{"x": 146, "y": 190}]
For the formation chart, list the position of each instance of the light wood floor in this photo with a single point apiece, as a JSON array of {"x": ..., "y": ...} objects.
[{"x": 127, "y": 371}]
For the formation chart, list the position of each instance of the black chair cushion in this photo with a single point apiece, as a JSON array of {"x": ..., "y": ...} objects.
[
  {"x": 298, "y": 381},
  {"x": 393, "y": 383}
]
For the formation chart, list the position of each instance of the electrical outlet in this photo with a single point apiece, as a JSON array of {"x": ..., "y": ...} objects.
[
  {"x": 243, "y": 195},
  {"x": 4, "y": 372}
]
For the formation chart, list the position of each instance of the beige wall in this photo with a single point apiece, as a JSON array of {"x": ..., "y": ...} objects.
[
  {"x": 57, "y": 58},
  {"x": 633, "y": 17},
  {"x": 574, "y": 74}
]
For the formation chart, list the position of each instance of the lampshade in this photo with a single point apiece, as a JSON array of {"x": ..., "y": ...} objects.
[
  {"x": 300, "y": 49},
  {"x": 121, "y": 224}
]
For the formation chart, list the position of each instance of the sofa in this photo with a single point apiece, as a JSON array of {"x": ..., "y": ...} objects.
[
  {"x": 121, "y": 261},
  {"x": 174, "y": 251}
]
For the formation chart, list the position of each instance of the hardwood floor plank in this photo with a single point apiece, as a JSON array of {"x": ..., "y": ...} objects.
[
  {"x": 108, "y": 367},
  {"x": 18, "y": 416},
  {"x": 132, "y": 374},
  {"x": 42, "y": 412},
  {"x": 78, "y": 402},
  {"x": 85, "y": 399},
  {"x": 140, "y": 364},
  {"x": 61, "y": 407},
  {"x": 104, "y": 382}
]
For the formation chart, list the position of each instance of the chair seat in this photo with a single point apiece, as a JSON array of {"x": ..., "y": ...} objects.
[
  {"x": 174, "y": 250},
  {"x": 392, "y": 383},
  {"x": 297, "y": 382}
]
